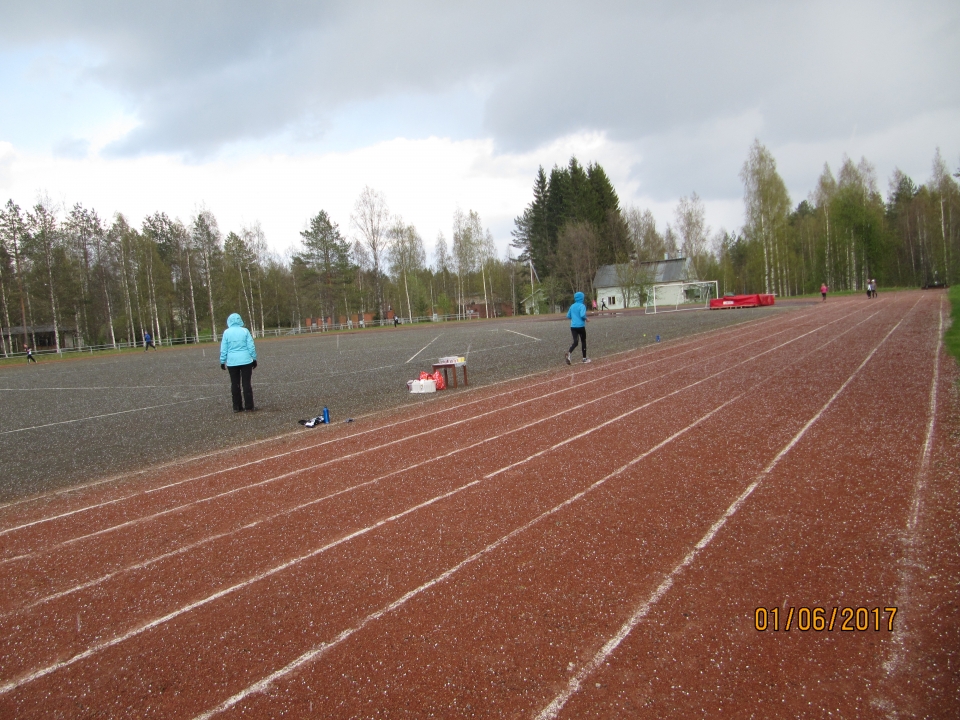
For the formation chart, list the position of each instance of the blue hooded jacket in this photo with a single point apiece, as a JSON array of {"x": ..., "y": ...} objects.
[
  {"x": 577, "y": 312},
  {"x": 236, "y": 347}
]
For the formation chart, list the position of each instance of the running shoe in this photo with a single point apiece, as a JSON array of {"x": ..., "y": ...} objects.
[
  {"x": 568, "y": 358},
  {"x": 586, "y": 360}
]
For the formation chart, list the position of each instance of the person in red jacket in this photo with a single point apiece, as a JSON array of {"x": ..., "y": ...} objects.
[{"x": 823, "y": 291}]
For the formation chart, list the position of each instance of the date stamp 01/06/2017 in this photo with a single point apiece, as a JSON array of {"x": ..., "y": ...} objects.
[{"x": 820, "y": 619}]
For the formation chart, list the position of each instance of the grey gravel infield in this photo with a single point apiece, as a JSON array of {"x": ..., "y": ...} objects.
[{"x": 65, "y": 422}]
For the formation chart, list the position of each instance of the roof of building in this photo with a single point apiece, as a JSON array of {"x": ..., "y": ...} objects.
[{"x": 660, "y": 271}]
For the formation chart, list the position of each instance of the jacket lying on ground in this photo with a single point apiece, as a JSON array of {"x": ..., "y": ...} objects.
[{"x": 236, "y": 347}]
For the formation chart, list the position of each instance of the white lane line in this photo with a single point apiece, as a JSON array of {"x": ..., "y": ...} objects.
[
  {"x": 747, "y": 325},
  {"x": 898, "y": 648},
  {"x": 524, "y": 335},
  {"x": 13, "y": 684},
  {"x": 551, "y": 711},
  {"x": 318, "y": 650},
  {"x": 928, "y": 441},
  {"x": 573, "y": 438},
  {"x": 104, "y": 415},
  {"x": 423, "y": 348},
  {"x": 167, "y": 486}
]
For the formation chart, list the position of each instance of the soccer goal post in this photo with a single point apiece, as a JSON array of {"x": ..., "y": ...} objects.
[{"x": 693, "y": 295}]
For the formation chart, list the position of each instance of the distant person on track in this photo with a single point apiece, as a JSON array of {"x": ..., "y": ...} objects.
[
  {"x": 238, "y": 354},
  {"x": 148, "y": 341},
  {"x": 869, "y": 288},
  {"x": 603, "y": 305},
  {"x": 578, "y": 328},
  {"x": 873, "y": 287},
  {"x": 823, "y": 291},
  {"x": 594, "y": 301},
  {"x": 30, "y": 357}
]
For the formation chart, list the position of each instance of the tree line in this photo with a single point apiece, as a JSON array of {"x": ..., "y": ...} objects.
[
  {"x": 843, "y": 234},
  {"x": 105, "y": 283},
  {"x": 69, "y": 271}
]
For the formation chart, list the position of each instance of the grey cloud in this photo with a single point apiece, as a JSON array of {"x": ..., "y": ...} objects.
[{"x": 200, "y": 75}]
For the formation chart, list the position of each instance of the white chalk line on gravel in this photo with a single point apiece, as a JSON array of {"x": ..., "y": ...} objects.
[
  {"x": 317, "y": 651},
  {"x": 19, "y": 682},
  {"x": 105, "y": 415},
  {"x": 423, "y": 348},
  {"x": 348, "y": 437},
  {"x": 746, "y": 325},
  {"x": 903, "y": 597},
  {"x": 192, "y": 546},
  {"x": 524, "y": 335},
  {"x": 551, "y": 711}
]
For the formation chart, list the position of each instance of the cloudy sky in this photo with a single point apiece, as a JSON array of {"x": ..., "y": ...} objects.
[{"x": 271, "y": 111}]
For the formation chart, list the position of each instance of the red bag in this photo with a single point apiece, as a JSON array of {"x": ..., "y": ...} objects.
[{"x": 437, "y": 378}]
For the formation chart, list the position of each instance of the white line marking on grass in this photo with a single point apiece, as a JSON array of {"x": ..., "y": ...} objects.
[
  {"x": 524, "y": 335},
  {"x": 647, "y": 350},
  {"x": 19, "y": 682},
  {"x": 111, "y": 414},
  {"x": 423, "y": 348},
  {"x": 556, "y": 705}
]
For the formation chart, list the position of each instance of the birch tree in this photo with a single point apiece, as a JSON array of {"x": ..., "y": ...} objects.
[
  {"x": 13, "y": 226},
  {"x": 406, "y": 255},
  {"x": 44, "y": 232},
  {"x": 767, "y": 207},
  {"x": 466, "y": 240},
  {"x": 691, "y": 217},
  {"x": 206, "y": 239},
  {"x": 371, "y": 220}
]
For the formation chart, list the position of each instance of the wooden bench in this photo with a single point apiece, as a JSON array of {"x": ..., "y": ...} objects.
[{"x": 451, "y": 366}]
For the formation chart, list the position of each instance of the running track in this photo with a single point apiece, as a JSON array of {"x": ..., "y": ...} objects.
[{"x": 591, "y": 542}]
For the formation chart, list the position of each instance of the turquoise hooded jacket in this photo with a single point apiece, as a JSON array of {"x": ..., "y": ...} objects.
[
  {"x": 577, "y": 312},
  {"x": 236, "y": 347}
]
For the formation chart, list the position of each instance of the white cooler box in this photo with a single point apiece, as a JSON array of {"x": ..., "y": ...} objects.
[{"x": 422, "y": 386}]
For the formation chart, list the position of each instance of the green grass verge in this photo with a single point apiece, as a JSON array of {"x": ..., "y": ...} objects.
[{"x": 952, "y": 337}]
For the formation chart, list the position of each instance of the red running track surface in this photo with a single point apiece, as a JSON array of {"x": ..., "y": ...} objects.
[{"x": 592, "y": 542}]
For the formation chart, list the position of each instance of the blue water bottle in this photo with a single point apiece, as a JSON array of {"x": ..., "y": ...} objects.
[
  {"x": 326, "y": 415},
  {"x": 658, "y": 338}
]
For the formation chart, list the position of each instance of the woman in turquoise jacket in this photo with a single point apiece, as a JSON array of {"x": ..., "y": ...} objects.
[
  {"x": 238, "y": 354},
  {"x": 578, "y": 326}
]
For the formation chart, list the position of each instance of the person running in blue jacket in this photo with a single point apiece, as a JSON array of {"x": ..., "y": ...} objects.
[
  {"x": 238, "y": 354},
  {"x": 578, "y": 326}
]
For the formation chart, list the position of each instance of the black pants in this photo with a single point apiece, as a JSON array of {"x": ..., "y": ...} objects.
[
  {"x": 241, "y": 374},
  {"x": 579, "y": 336}
]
